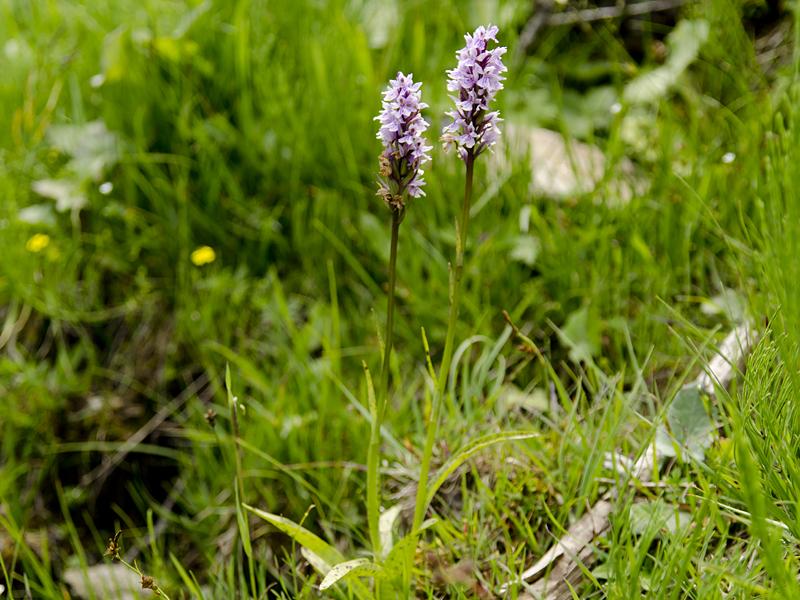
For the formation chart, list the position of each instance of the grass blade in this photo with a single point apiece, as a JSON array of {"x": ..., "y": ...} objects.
[{"x": 470, "y": 450}]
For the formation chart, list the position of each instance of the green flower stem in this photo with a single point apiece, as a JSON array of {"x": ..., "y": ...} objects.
[
  {"x": 244, "y": 532},
  {"x": 387, "y": 350},
  {"x": 373, "y": 453},
  {"x": 444, "y": 369},
  {"x": 157, "y": 591}
]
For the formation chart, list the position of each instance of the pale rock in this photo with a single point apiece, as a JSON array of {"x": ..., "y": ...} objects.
[
  {"x": 561, "y": 169},
  {"x": 109, "y": 581}
]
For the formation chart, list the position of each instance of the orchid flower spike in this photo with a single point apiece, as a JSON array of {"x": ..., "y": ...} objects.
[
  {"x": 404, "y": 147},
  {"x": 474, "y": 84}
]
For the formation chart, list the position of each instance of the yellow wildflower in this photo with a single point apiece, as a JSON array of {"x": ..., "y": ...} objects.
[
  {"x": 37, "y": 242},
  {"x": 203, "y": 255}
]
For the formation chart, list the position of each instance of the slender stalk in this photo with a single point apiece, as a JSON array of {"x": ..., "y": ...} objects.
[
  {"x": 387, "y": 350},
  {"x": 147, "y": 582},
  {"x": 444, "y": 369},
  {"x": 239, "y": 478},
  {"x": 373, "y": 453}
]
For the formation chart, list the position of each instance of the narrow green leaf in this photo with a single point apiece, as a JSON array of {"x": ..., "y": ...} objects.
[
  {"x": 757, "y": 502},
  {"x": 320, "y": 566},
  {"x": 301, "y": 535},
  {"x": 386, "y": 525},
  {"x": 428, "y": 363},
  {"x": 360, "y": 567},
  {"x": 251, "y": 373},
  {"x": 373, "y": 403},
  {"x": 188, "y": 580},
  {"x": 471, "y": 450},
  {"x": 241, "y": 521},
  {"x": 228, "y": 385}
]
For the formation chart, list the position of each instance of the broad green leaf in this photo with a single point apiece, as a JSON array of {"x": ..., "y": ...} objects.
[
  {"x": 581, "y": 333},
  {"x": 360, "y": 567},
  {"x": 657, "y": 516},
  {"x": 684, "y": 43},
  {"x": 470, "y": 450},
  {"x": 602, "y": 571},
  {"x": 690, "y": 427},
  {"x": 320, "y": 566},
  {"x": 301, "y": 535}
]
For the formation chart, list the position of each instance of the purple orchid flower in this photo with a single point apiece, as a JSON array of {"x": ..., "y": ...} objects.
[
  {"x": 404, "y": 147},
  {"x": 475, "y": 82}
]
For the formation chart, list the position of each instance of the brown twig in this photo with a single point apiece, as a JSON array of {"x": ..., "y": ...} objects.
[
  {"x": 602, "y": 13},
  {"x": 111, "y": 462},
  {"x": 543, "y": 16}
]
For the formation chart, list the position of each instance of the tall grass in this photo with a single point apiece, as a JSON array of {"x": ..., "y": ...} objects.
[{"x": 247, "y": 126}]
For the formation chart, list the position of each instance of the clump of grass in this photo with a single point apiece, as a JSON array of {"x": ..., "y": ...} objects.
[
  {"x": 474, "y": 130},
  {"x": 241, "y": 129}
]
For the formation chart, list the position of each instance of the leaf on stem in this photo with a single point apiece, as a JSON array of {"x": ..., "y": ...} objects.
[
  {"x": 301, "y": 535},
  {"x": 359, "y": 567},
  {"x": 373, "y": 403},
  {"x": 386, "y": 525}
]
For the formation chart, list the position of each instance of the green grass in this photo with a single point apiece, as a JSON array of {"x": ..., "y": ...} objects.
[{"x": 247, "y": 127}]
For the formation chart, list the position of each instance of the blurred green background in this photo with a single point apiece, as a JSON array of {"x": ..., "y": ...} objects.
[{"x": 133, "y": 134}]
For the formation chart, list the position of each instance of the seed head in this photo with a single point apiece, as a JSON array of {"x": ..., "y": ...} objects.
[{"x": 112, "y": 548}]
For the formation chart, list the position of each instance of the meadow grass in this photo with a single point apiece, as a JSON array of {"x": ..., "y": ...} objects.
[{"x": 247, "y": 127}]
